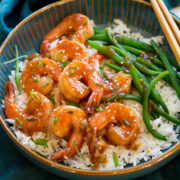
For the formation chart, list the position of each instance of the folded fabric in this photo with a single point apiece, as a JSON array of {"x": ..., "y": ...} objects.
[{"x": 13, "y": 165}]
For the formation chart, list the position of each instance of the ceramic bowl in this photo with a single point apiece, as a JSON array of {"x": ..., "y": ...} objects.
[{"x": 138, "y": 15}]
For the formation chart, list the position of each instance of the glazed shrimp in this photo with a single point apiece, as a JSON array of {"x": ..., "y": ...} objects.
[
  {"x": 76, "y": 23},
  {"x": 39, "y": 75},
  {"x": 121, "y": 121},
  {"x": 71, "y": 84},
  {"x": 121, "y": 83},
  {"x": 69, "y": 119},
  {"x": 95, "y": 60},
  {"x": 34, "y": 117},
  {"x": 69, "y": 50}
]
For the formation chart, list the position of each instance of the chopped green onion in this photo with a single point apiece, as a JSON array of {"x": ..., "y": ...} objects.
[
  {"x": 105, "y": 101},
  {"x": 46, "y": 84},
  {"x": 31, "y": 119},
  {"x": 34, "y": 78},
  {"x": 126, "y": 122},
  {"x": 35, "y": 97},
  {"x": 83, "y": 125},
  {"x": 80, "y": 155},
  {"x": 99, "y": 84},
  {"x": 72, "y": 104},
  {"x": 72, "y": 72},
  {"x": 115, "y": 159},
  {"x": 42, "y": 142},
  {"x": 44, "y": 64},
  {"x": 17, "y": 77},
  {"x": 101, "y": 70},
  {"x": 18, "y": 123},
  {"x": 74, "y": 67},
  {"x": 93, "y": 69},
  {"x": 89, "y": 115},
  {"x": 55, "y": 120},
  {"x": 159, "y": 125},
  {"x": 70, "y": 112},
  {"x": 52, "y": 99},
  {"x": 99, "y": 109},
  {"x": 115, "y": 88},
  {"x": 34, "y": 67},
  {"x": 85, "y": 36},
  {"x": 57, "y": 56},
  {"x": 12, "y": 60},
  {"x": 85, "y": 23},
  {"x": 64, "y": 64},
  {"x": 80, "y": 129}
]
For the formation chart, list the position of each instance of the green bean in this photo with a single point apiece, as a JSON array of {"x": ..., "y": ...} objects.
[
  {"x": 172, "y": 61},
  {"x": 125, "y": 96},
  {"x": 140, "y": 100},
  {"x": 165, "y": 61},
  {"x": 132, "y": 50},
  {"x": 121, "y": 51},
  {"x": 108, "y": 51},
  {"x": 137, "y": 45},
  {"x": 137, "y": 83},
  {"x": 138, "y": 52},
  {"x": 145, "y": 107},
  {"x": 164, "y": 114},
  {"x": 136, "y": 80},
  {"x": 100, "y": 37},
  {"x": 113, "y": 66},
  {"x": 98, "y": 30},
  {"x": 145, "y": 70},
  {"x": 113, "y": 40},
  {"x": 17, "y": 76},
  {"x": 154, "y": 115},
  {"x": 156, "y": 97}
]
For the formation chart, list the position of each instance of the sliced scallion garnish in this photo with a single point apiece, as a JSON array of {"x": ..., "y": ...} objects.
[
  {"x": 42, "y": 142},
  {"x": 99, "y": 109},
  {"x": 36, "y": 66},
  {"x": 126, "y": 122},
  {"x": 70, "y": 112},
  {"x": 59, "y": 54},
  {"x": 35, "y": 97},
  {"x": 101, "y": 70},
  {"x": 31, "y": 119},
  {"x": 85, "y": 23},
  {"x": 115, "y": 159},
  {"x": 51, "y": 97},
  {"x": 55, "y": 120},
  {"x": 18, "y": 123},
  {"x": 12, "y": 60},
  {"x": 17, "y": 76},
  {"x": 80, "y": 155},
  {"x": 99, "y": 84},
  {"x": 34, "y": 78}
]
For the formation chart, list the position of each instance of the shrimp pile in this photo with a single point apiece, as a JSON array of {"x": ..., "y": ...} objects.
[{"x": 66, "y": 95}]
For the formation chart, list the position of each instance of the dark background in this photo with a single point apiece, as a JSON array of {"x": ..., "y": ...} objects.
[{"x": 13, "y": 165}]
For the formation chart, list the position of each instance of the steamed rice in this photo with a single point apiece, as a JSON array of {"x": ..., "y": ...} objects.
[{"x": 149, "y": 147}]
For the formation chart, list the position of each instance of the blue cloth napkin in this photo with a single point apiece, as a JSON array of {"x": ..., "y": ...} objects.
[{"x": 13, "y": 165}]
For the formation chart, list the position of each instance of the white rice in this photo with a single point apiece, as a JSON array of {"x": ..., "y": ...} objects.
[{"x": 150, "y": 147}]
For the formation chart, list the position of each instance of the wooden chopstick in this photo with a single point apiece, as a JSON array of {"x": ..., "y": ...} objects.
[
  {"x": 170, "y": 20},
  {"x": 167, "y": 30}
]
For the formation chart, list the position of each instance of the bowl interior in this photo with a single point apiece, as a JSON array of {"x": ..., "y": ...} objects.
[{"x": 139, "y": 16}]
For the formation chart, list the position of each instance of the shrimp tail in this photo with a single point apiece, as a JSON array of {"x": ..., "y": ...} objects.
[
  {"x": 11, "y": 109},
  {"x": 44, "y": 47},
  {"x": 93, "y": 101},
  {"x": 9, "y": 92},
  {"x": 60, "y": 155}
]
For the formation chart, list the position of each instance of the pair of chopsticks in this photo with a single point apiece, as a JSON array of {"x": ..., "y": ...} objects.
[{"x": 168, "y": 25}]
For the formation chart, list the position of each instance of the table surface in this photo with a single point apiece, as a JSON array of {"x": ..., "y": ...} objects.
[{"x": 13, "y": 165}]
